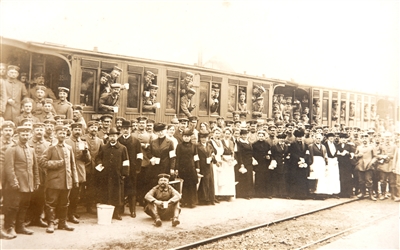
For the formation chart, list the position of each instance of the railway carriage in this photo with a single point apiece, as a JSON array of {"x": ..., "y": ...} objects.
[{"x": 218, "y": 93}]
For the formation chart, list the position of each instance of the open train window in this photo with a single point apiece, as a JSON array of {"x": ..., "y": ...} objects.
[
  {"x": 88, "y": 80},
  {"x": 204, "y": 98},
  {"x": 133, "y": 100}
]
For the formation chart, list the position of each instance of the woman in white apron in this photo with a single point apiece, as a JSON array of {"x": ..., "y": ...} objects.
[
  {"x": 318, "y": 168},
  {"x": 332, "y": 174}
]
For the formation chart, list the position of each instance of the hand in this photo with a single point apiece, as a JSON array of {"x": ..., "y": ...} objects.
[
  {"x": 197, "y": 170},
  {"x": 122, "y": 177},
  {"x": 11, "y": 101},
  {"x": 158, "y": 203},
  {"x": 36, "y": 187},
  {"x": 76, "y": 185},
  {"x": 172, "y": 171},
  {"x": 16, "y": 187}
]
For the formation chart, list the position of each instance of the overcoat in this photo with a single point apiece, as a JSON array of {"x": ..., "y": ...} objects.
[{"x": 206, "y": 191}]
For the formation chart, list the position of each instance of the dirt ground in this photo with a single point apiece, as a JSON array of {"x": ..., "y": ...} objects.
[{"x": 140, "y": 233}]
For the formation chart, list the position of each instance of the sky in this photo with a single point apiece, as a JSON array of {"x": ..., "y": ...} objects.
[{"x": 345, "y": 44}]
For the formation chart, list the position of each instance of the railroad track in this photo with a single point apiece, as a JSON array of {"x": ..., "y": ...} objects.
[{"x": 252, "y": 228}]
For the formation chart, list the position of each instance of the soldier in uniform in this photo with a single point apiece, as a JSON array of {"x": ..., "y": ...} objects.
[
  {"x": 186, "y": 83},
  {"x": 109, "y": 101},
  {"x": 36, "y": 207},
  {"x": 47, "y": 110},
  {"x": 77, "y": 117},
  {"x": 59, "y": 162},
  {"x": 16, "y": 91},
  {"x": 106, "y": 122},
  {"x": 49, "y": 131},
  {"x": 39, "y": 80},
  {"x": 22, "y": 178},
  {"x": 186, "y": 102},
  {"x": 82, "y": 157},
  {"x": 27, "y": 105},
  {"x": 118, "y": 123},
  {"x": 62, "y": 106}
]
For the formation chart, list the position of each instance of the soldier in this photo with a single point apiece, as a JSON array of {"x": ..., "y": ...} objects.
[
  {"x": 36, "y": 208},
  {"x": 27, "y": 105},
  {"x": 38, "y": 103},
  {"x": 77, "y": 117},
  {"x": 163, "y": 202},
  {"x": 105, "y": 82},
  {"x": 62, "y": 175},
  {"x": 22, "y": 178},
  {"x": 49, "y": 131},
  {"x": 39, "y": 80},
  {"x": 109, "y": 101},
  {"x": 16, "y": 91},
  {"x": 47, "y": 110},
  {"x": 82, "y": 157},
  {"x": 118, "y": 123},
  {"x": 113, "y": 161},
  {"x": 186, "y": 83},
  {"x": 106, "y": 122},
  {"x": 150, "y": 103},
  {"x": 186, "y": 102},
  {"x": 135, "y": 163},
  {"x": 62, "y": 106}
]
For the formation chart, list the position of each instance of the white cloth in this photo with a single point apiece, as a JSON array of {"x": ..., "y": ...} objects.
[
  {"x": 333, "y": 176},
  {"x": 319, "y": 173}
]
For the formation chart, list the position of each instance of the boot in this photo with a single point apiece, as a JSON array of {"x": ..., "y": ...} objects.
[
  {"x": 175, "y": 222},
  {"x": 50, "y": 228},
  {"x": 73, "y": 219},
  {"x": 158, "y": 221},
  {"x": 62, "y": 224},
  {"x": 132, "y": 206},
  {"x": 6, "y": 236},
  {"x": 50, "y": 214},
  {"x": 11, "y": 232},
  {"x": 116, "y": 214},
  {"x": 21, "y": 229},
  {"x": 362, "y": 193},
  {"x": 371, "y": 196}
]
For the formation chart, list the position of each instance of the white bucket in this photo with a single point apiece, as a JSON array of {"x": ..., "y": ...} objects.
[{"x": 104, "y": 214}]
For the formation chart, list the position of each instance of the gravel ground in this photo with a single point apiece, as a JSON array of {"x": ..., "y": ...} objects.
[
  {"x": 196, "y": 224},
  {"x": 304, "y": 230}
]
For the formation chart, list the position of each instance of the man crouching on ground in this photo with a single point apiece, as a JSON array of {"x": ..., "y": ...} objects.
[{"x": 163, "y": 202}]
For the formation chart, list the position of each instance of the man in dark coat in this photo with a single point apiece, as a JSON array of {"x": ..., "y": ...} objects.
[
  {"x": 346, "y": 167},
  {"x": 113, "y": 161},
  {"x": 299, "y": 167},
  {"x": 59, "y": 162},
  {"x": 262, "y": 181},
  {"x": 135, "y": 163}
]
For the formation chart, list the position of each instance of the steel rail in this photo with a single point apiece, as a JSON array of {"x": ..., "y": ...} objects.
[{"x": 241, "y": 231}]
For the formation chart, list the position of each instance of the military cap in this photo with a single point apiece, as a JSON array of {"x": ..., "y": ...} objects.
[
  {"x": 61, "y": 127},
  {"x": 153, "y": 86},
  {"x": 77, "y": 107},
  {"x": 150, "y": 73},
  {"x": 270, "y": 119},
  {"x": 289, "y": 124},
  {"x": 8, "y": 124},
  {"x": 41, "y": 87},
  {"x": 141, "y": 118},
  {"x": 191, "y": 90},
  {"x": 217, "y": 129},
  {"x": 277, "y": 112},
  {"x": 13, "y": 67},
  {"x": 48, "y": 100},
  {"x": 174, "y": 120},
  {"x": 220, "y": 118},
  {"x": 134, "y": 121},
  {"x": 318, "y": 127},
  {"x": 298, "y": 133},
  {"x": 159, "y": 126},
  {"x": 236, "y": 112},
  {"x": 26, "y": 120},
  {"x": 281, "y": 136},
  {"x": 126, "y": 124},
  {"x": 115, "y": 85},
  {"x": 166, "y": 176},
  {"x": 59, "y": 117},
  {"x": 330, "y": 134},
  {"x": 325, "y": 126},
  {"x": 228, "y": 122},
  {"x": 212, "y": 121},
  {"x": 251, "y": 122},
  {"x": 150, "y": 121},
  {"x": 48, "y": 121},
  {"x": 243, "y": 131},
  {"x": 23, "y": 74},
  {"x": 38, "y": 125},
  {"x": 286, "y": 114},
  {"x": 272, "y": 126},
  {"x": 343, "y": 135},
  {"x": 237, "y": 121},
  {"x": 116, "y": 68},
  {"x": 76, "y": 125},
  {"x": 371, "y": 131},
  {"x": 203, "y": 134},
  {"x": 63, "y": 89},
  {"x": 189, "y": 73},
  {"x": 113, "y": 131},
  {"x": 24, "y": 129},
  {"x": 193, "y": 119},
  {"x": 68, "y": 121},
  {"x": 261, "y": 88},
  {"x": 261, "y": 132},
  {"x": 92, "y": 123},
  {"x": 105, "y": 116},
  {"x": 183, "y": 120},
  {"x": 307, "y": 126},
  {"x": 357, "y": 128},
  {"x": 187, "y": 131},
  {"x": 106, "y": 75},
  {"x": 26, "y": 100},
  {"x": 278, "y": 123},
  {"x": 119, "y": 118}
]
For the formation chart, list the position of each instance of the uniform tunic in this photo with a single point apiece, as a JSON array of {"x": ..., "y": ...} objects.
[
  {"x": 63, "y": 108},
  {"x": 280, "y": 154},
  {"x": 15, "y": 90}
]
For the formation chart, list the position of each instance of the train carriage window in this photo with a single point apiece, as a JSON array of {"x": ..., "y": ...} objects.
[
  {"x": 172, "y": 87},
  {"x": 215, "y": 98},
  {"x": 232, "y": 98},
  {"x": 88, "y": 87},
  {"x": 204, "y": 98},
  {"x": 133, "y": 91}
]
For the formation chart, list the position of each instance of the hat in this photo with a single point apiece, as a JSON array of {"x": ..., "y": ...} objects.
[
  {"x": 272, "y": 126},
  {"x": 77, "y": 107},
  {"x": 134, "y": 121},
  {"x": 41, "y": 87},
  {"x": 229, "y": 122},
  {"x": 159, "y": 127},
  {"x": 119, "y": 119},
  {"x": 290, "y": 124},
  {"x": 48, "y": 100},
  {"x": 92, "y": 123},
  {"x": 189, "y": 73},
  {"x": 23, "y": 74},
  {"x": 183, "y": 120},
  {"x": 63, "y": 89},
  {"x": 193, "y": 119},
  {"x": 343, "y": 135},
  {"x": 175, "y": 120},
  {"x": 105, "y": 74},
  {"x": 113, "y": 131},
  {"x": 38, "y": 125},
  {"x": 325, "y": 126},
  {"x": 187, "y": 131},
  {"x": 237, "y": 121},
  {"x": 278, "y": 123},
  {"x": 191, "y": 90},
  {"x": 212, "y": 121},
  {"x": 330, "y": 134},
  {"x": 371, "y": 131},
  {"x": 10, "y": 67},
  {"x": 261, "y": 88},
  {"x": 150, "y": 121},
  {"x": 298, "y": 133},
  {"x": 115, "y": 85},
  {"x": 236, "y": 112},
  {"x": 68, "y": 121},
  {"x": 60, "y": 127},
  {"x": 117, "y": 69},
  {"x": 220, "y": 117},
  {"x": 103, "y": 117},
  {"x": 8, "y": 124},
  {"x": 281, "y": 136},
  {"x": 26, "y": 120},
  {"x": 243, "y": 131},
  {"x": 76, "y": 125},
  {"x": 203, "y": 134},
  {"x": 141, "y": 118},
  {"x": 126, "y": 124},
  {"x": 150, "y": 73},
  {"x": 307, "y": 126},
  {"x": 261, "y": 132},
  {"x": 251, "y": 122},
  {"x": 23, "y": 129},
  {"x": 153, "y": 86},
  {"x": 26, "y": 100},
  {"x": 166, "y": 176},
  {"x": 48, "y": 121}
]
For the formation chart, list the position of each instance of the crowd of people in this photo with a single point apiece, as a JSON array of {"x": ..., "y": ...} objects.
[{"x": 54, "y": 161}]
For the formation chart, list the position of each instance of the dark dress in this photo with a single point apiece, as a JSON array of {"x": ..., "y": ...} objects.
[
  {"x": 245, "y": 187},
  {"x": 297, "y": 177},
  {"x": 346, "y": 169},
  {"x": 186, "y": 165},
  {"x": 206, "y": 192},
  {"x": 262, "y": 181},
  {"x": 278, "y": 175}
]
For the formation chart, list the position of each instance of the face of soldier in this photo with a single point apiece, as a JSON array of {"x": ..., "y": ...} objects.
[
  {"x": 142, "y": 125},
  {"x": 106, "y": 123},
  {"x": 23, "y": 79},
  {"x": 163, "y": 182},
  {"x": 76, "y": 115},
  {"x": 182, "y": 125},
  {"x": 27, "y": 107},
  {"x": 115, "y": 91},
  {"x": 62, "y": 95},
  {"x": 281, "y": 129},
  {"x": 115, "y": 74},
  {"x": 113, "y": 138},
  {"x": 153, "y": 92},
  {"x": 38, "y": 132},
  {"x": 12, "y": 73},
  {"x": 23, "y": 137},
  {"x": 40, "y": 80},
  {"x": 188, "y": 78},
  {"x": 103, "y": 80},
  {"x": 61, "y": 135},
  {"x": 40, "y": 94},
  {"x": 49, "y": 128},
  {"x": 118, "y": 123},
  {"x": 7, "y": 133},
  {"x": 272, "y": 132},
  {"x": 134, "y": 126},
  {"x": 93, "y": 130},
  {"x": 77, "y": 132},
  {"x": 150, "y": 127},
  {"x": 365, "y": 139},
  {"x": 126, "y": 130}
]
